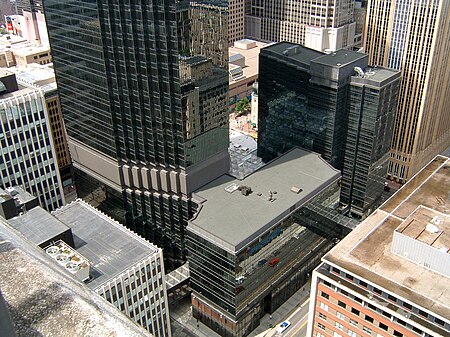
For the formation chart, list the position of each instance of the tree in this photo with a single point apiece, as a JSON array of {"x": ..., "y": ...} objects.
[{"x": 242, "y": 106}]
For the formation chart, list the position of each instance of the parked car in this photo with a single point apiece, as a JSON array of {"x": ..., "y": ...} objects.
[
  {"x": 283, "y": 326},
  {"x": 240, "y": 279},
  {"x": 274, "y": 261},
  {"x": 239, "y": 289},
  {"x": 262, "y": 262}
]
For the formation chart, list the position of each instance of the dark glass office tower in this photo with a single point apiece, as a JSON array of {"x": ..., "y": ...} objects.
[
  {"x": 144, "y": 88},
  {"x": 373, "y": 95},
  {"x": 335, "y": 105},
  {"x": 303, "y": 101}
]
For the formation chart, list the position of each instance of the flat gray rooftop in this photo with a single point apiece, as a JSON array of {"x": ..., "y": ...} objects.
[
  {"x": 233, "y": 220},
  {"x": 17, "y": 193},
  {"x": 340, "y": 58},
  {"x": 366, "y": 251},
  {"x": 303, "y": 54},
  {"x": 38, "y": 225},
  {"x": 45, "y": 301},
  {"x": 109, "y": 246}
]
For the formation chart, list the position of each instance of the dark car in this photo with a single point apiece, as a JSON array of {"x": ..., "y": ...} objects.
[{"x": 262, "y": 262}]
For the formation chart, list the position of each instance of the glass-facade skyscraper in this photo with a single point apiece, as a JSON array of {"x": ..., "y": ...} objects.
[
  {"x": 144, "y": 93},
  {"x": 335, "y": 105}
]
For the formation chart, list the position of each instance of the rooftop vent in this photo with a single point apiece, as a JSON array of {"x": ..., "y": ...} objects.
[
  {"x": 359, "y": 71},
  {"x": 245, "y": 190},
  {"x": 70, "y": 259},
  {"x": 296, "y": 189},
  {"x": 231, "y": 188},
  {"x": 432, "y": 228}
]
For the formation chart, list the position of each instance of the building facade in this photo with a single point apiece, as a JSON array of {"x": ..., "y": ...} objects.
[
  {"x": 144, "y": 96},
  {"x": 412, "y": 36},
  {"x": 320, "y": 25},
  {"x": 390, "y": 276},
  {"x": 28, "y": 157},
  {"x": 33, "y": 23},
  {"x": 334, "y": 105},
  {"x": 251, "y": 245},
  {"x": 43, "y": 78},
  {"x": 243, "y": 69},
  {"x": 236, "y": 14},
  {"x": 29, "y": 6}
]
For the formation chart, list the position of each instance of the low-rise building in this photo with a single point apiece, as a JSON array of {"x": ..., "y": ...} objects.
[
  {"x": 17, "y": 50},
  {"x": 39, "y": 299},
  {"x": 112, "y": 261},
  {"x": 391, "y": 275},
  {"x": 250, "y": 246},
  {"x": 243, "y": 69}
]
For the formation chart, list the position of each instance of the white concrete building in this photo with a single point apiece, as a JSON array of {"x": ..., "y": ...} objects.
[{"x": 27, "y": 153}]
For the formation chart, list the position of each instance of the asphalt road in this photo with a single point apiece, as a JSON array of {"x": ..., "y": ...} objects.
[{"x": 298, "y": 321}]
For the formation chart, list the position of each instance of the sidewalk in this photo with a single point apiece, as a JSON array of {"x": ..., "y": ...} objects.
[
  {"x": 282, "y": 313},
  {"x": 184, "y": 325}
]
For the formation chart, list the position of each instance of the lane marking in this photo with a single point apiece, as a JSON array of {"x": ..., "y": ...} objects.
[
  {"x": 300, "y": 321},
  {"x": 304, "y": 303},
  {"x": 300, "y": 327}
]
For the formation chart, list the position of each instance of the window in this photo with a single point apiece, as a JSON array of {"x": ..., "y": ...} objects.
[
  {"x": 423, "y": 313},
  {"x": 368, "y": 319},
  {"x": 342, "y": 304},
  {"x": 340, "y": 315},
  {"x": 398, "y": 334},
  {"x": 357, "y": 299},
  {"x": 348, "y": 276},
  {"x": 378, "y": 291},
  {"x": 383, "y": 326},
  {"x": 420, "y": 332},
  {"x": 325, "y": 295},
  {"x": 324, "y": 317},
  {"x": 335, "y": 334},
  {"x": 335, "y": 270},
  {"x": 392, "y": 298},
  {"x": 321, "y": 326},
  {"x": 367, "y": 330},
  {"x": 355, "y": 311},
  {"x": 339, "y": 326},
  {"x": 438, "y": 321},
  {"x": 388, "y": 315},
  {"x": 353, "y": 322},
  {"x": 372, "y": 306},
  {"x": 324, "y": 306},
  {"x": 362, "y": 284},
  {"x": 399, "y": 321},
  {"x": 351, "y": 333},
  {"x": 319, "y": 335},
  {"x": 407, "y": 306}
]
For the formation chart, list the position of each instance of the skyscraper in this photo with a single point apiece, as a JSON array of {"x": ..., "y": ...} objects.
[
  {"x": 236, "y": 10},
  {"x": 144, "y": 95},
  {"x": 373, "y": 97},
  {"x": 321, "y": 25},
  {"x": 333, "y": 104},
  {"x": 412, "y": 36}
]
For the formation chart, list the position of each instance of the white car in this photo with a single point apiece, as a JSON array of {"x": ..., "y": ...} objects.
[{"x": 283, "y": 326}]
